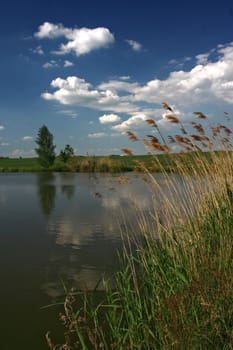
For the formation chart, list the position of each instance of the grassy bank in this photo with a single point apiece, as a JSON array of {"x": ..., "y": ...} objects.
[
  {"x": 174, "y": 289},
  {"x": 111, "y": 164}
]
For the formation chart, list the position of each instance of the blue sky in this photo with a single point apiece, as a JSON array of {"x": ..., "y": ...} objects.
[{"x": 92, "y": 71}]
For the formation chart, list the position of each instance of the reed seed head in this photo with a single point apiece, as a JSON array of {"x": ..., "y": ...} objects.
[
  {"x": 132, "y": 136},
  {"x": 167, "y": 106},
  {"x": 200, "y": 115},
  {"x": 151, "y": 122},
  {"x": 127, "y": 151},
  {"x": 171, "y": 118}
]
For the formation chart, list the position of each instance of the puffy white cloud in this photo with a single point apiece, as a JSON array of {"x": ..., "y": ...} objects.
[
  {"x": 2, "y": 127},
  {"x": 52, "y": 31},
  {"x": 203, "y": 83},
  {"x": 134, "y": 122},
  {"x": 97, "y": 135},
  {"x": 109, "y": 118},
  {"x": 81, "y": 41},
  {"x": 68, "y": 63},
  {"x": 84, "y": 40},
  {"x": 135, "y": 45},
  {"x": 4, "y": 144},
  {"x": 76, "y": 91},
  {"x": 27, "y": 138},
  {"x": 210, "y": 82},
  {"x": 72, "y": 90}
]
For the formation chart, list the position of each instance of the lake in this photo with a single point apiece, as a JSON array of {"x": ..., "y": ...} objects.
[
  {"x": 64, "y": 227},
  {"x": 58, "y": 227}
]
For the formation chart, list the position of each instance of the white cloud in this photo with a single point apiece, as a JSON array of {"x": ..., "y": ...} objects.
[
  {"x": 135, "y": 45},
  {"x": 27, "y": 138},
  {"x": 51, "y": 31},
  {"x": 109, "y": 118},
  {"x": 202, "y": 84},
  {"x": 4, "y": 144},
  {"x": 68, "y": 63},
  {"x": 2, "y": 127},
  {"x": 50, "y": 64},
  {"x": 97, "y": 135},
  {"x": 76, "y": 91},
  {"x": 81, "y": 41},
  {"x": 202, "y": 58},
  {"x": 135, "y": 122},
  {"x": 210, "y": 82}
]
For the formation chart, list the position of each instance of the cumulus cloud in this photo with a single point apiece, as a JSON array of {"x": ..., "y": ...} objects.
[
  {"x": 79, "y": 40},
  {"x": 2, "y": 127},
  {"x": 51, "y": 31},
  {"x": 210, "y": 82},
  {"x": 27, "y": 138},
  {"x": 97, "y": 135},
  {"x": 202, "y": 84},
  {"x": 135, "y": 45},
  {"x": 109, "y": 118},
  {"x": 76, "y": 91},
  {"x": 135, "y": 122}
]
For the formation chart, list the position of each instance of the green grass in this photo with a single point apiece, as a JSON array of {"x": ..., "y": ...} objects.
[
  {"x": 112, "y": 164},
  {"x": 19, "y": 164}
]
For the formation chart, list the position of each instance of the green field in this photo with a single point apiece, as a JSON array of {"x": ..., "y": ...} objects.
[
  {"x": 19, "y": 164},
  {"x": 115, "y": 163}
]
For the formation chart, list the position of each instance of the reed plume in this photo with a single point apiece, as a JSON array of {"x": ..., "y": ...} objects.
[
  {"x": 200, "y": 115},
  {"x": 151, "y": 122},
  {"x": 132, "y": 136},
  {"x": 172, "y": 119},
  {"x": 167, "y": 106},
  {"x": 198, "y": 127},
  {"x": 127, "y": 151}
]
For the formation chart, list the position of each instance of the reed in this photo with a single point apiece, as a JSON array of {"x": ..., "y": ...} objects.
[{"x": 174, "y": 287}]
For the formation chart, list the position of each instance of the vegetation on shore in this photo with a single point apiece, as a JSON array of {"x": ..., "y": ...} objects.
[
  {"x": 174, "y": 288},
  {"x": 111, "y": 164}
]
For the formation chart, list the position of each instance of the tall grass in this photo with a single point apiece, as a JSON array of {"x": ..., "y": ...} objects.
[{"x": 174, "y": 288}]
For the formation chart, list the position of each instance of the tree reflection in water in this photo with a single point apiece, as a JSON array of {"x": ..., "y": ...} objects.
[
  {"x": 46, "y": 192},
  {"x": 67, "y": 188}
]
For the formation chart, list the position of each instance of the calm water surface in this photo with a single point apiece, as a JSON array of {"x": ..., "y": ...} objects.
[
  {"x": 61, "y": 227},
  {"x": 53, "y": 227}
]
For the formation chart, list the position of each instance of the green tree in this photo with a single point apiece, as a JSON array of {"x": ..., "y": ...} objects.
[
  {"x": 67, "y": 153},
  {"x": 46, "y": 148}
]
